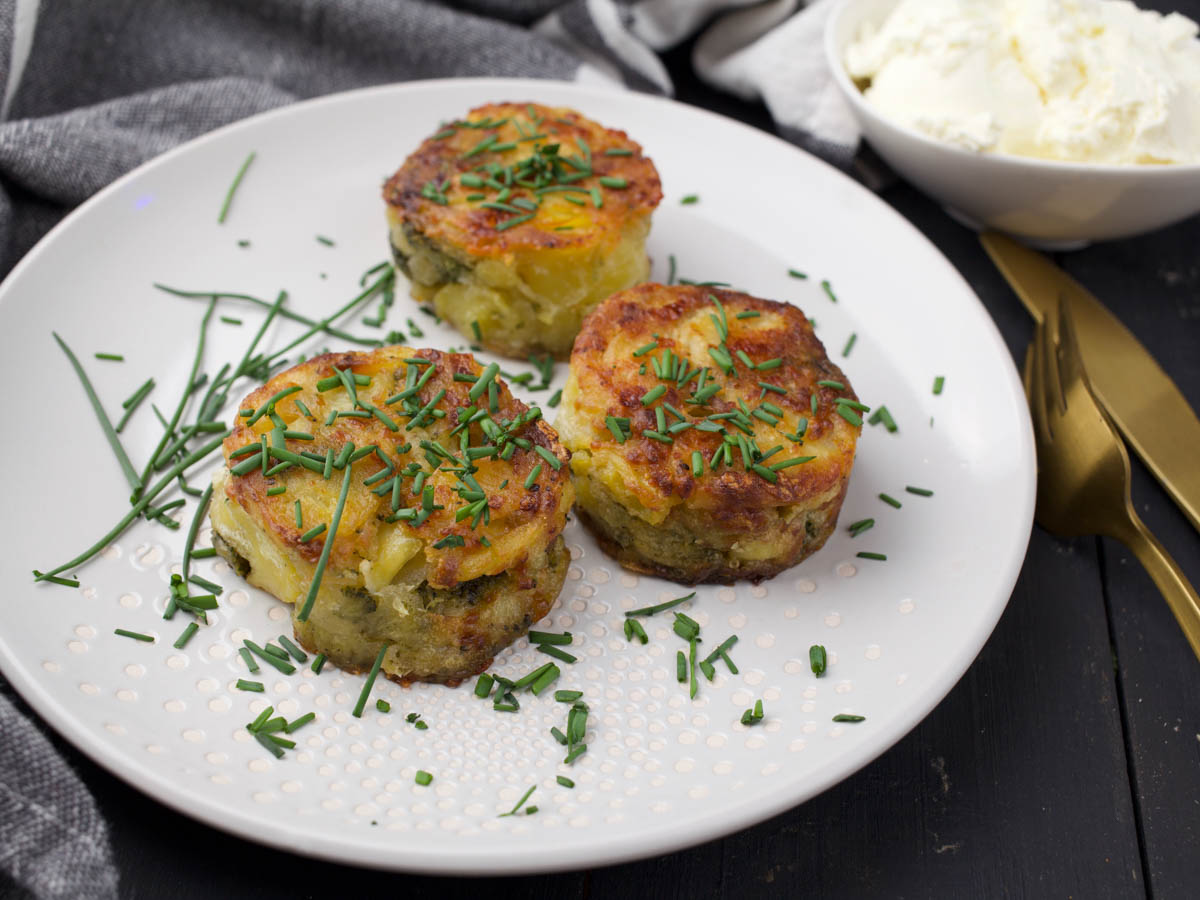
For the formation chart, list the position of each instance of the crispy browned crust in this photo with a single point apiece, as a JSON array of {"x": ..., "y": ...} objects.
[
  {"x": 470, "y": 229},
  {"x": 720, "y": 505},
  {"x": 511, "y": 507}
]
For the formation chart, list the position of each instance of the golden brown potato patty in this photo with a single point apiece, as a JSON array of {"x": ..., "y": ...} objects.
[
  {"x": 447, "y": 548},
  {"x": 517, "y": 219},
  {"x": 712, "y": 437}
]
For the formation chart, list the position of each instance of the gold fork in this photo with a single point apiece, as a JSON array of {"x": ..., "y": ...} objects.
[{"x": 1083, "y": 469}]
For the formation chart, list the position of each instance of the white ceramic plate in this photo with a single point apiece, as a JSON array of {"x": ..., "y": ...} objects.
[{"x": 661, "y": 772}]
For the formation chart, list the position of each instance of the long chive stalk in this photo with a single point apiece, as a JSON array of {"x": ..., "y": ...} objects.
[
  {"x": 147, "y": 497},
  {"x": 266, "y": 304},
  {"x": 114, "y": 441},
  {"x": 187, "y": 391},
  {"x": 370, "y": 291}
]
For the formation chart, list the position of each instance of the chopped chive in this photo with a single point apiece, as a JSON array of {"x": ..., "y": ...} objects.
[
  {"x": 564, "y": 781},
  {"x": 828, "y": 289},
  {"x": 549, "y": 637},
  {"x": 857, "y": 528},
  {"x": 533, "y": 476},
  {"x": 245, "y": 654},
  {"x": 520, "y": 803},
  {"x": 312, "y": 532},
  {"x": 770, "y": 364},
  {"x": 920, "y": 492},
  {"x": 680, "y": 667},
  {"x": 558, "y": 736},
  {"x": 318, "y": 664},
  {"x": 866, "y": 554},
  {"x": 615, "y": 428},
  {"x": 653, "y": 394},
  {"x": 230, "y": 320},
  {"x": 321, "y": 239},
  {"x": 237, "y": 180},
  {"x": 846, "y": 717},
  {"x": 577, "y": 751},
  {"x": 450, "y": 540},
  {"x": 285, "y": 667},
  {"x": 817, "y": 659},
  {"x": 848, "y": 414},
  {"x": 689, "y": 199},
  {"x": 882, "y": 415},
  {"x": 136, "y": 635},
  {"x": 370, "y": 682},
  {"x": 552, "y": 650},
  {"x": 634, "y": 629},
  {"x": 300, "y": 722},
  {"x": 797, "y": 274},
  {"x": 549, "y": 457},
  {"x": 383, "y": 706},
  {"x": 661, "y": 607},
  {"x": 889, "y": 500},
  {"x": 850, "y": 343},
  {"x": 567, "y": 696},
  {"x": 835, "y": 385},
  {"x": 295, "y": 652},
  {"x": 244, "y": 685},
  {"x": 938, "y": 384},
  {"x": 483, "y": 686},
  {"x": 548, "y": 677},
  {"x": 697, "y": 464},
  {"x": 326, "y": 548},
  {"x": 269, "y": 743},
  {"x": 422, "y": 777},
  {"x": 611, "y": 182},
  {"x": 277, "y": 490},
  {"x": 111, "y": 357}
]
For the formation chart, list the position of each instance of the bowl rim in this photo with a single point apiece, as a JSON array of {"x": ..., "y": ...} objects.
[{"x": 855, "y": 98}]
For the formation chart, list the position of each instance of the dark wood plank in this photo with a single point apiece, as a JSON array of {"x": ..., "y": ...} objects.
[{"x": 1153, "y": 285}]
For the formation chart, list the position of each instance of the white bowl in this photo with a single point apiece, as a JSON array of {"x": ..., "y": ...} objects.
[{"x": 1058, "y": 204}]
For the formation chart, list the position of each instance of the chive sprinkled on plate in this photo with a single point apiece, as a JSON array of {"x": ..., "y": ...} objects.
[
  {"x": 867, "y": 554},
  {"x": 796, "y": 273},
  {"x": 255, "y": 687},
  {"x": 828, "y": 289},
  {"x": 689, "y": 199},
  {"x": 423, "y": 778},
  {"x": 661, "y": 607},
  {"x": 890, "y": 500},
  {"x": 369, "y": 683},
  {"x": 817, "y": 659},
  {"x": 919, "y": 491},
  {"x": 136, "y": 635},
  {"x": 237, "y": 180},
  {"x": 520, "y": 803},
  {"x": 938, "y": 383},
  {"x": 847, "y": 717}
]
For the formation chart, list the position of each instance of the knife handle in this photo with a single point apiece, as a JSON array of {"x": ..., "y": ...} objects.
[{"x": 1181, "y": 597}]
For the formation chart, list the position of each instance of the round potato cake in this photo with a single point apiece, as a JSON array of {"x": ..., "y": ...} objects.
[
  {"x": 516, "y": 220},
  {"x": 712, "y": 438},
  {"x": 397, "y": 498}
]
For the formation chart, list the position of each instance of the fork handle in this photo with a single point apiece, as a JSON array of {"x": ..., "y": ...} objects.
[{"x": 1181, "y": 597}]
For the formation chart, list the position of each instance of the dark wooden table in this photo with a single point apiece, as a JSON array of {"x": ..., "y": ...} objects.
[{"x": 1065, "y": 764}]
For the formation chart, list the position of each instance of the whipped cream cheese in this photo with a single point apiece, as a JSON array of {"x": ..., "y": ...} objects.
[{"x": 1080, "y": 80}]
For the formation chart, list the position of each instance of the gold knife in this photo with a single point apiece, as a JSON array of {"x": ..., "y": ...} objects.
[{"x": 1139, "y": 396}]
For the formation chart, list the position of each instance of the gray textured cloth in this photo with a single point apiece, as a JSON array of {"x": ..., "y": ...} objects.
[{"x": 108, "y": 84}]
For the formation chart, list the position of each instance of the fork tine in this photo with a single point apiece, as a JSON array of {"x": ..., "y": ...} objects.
[
  {"x": 1052, "y": 379},
  {"x": 1070, "y": 363},
  {"x": 1035, "y": 366}
]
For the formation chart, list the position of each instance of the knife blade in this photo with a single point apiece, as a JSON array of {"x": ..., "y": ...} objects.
[{"x": 1141, "y": 398}]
